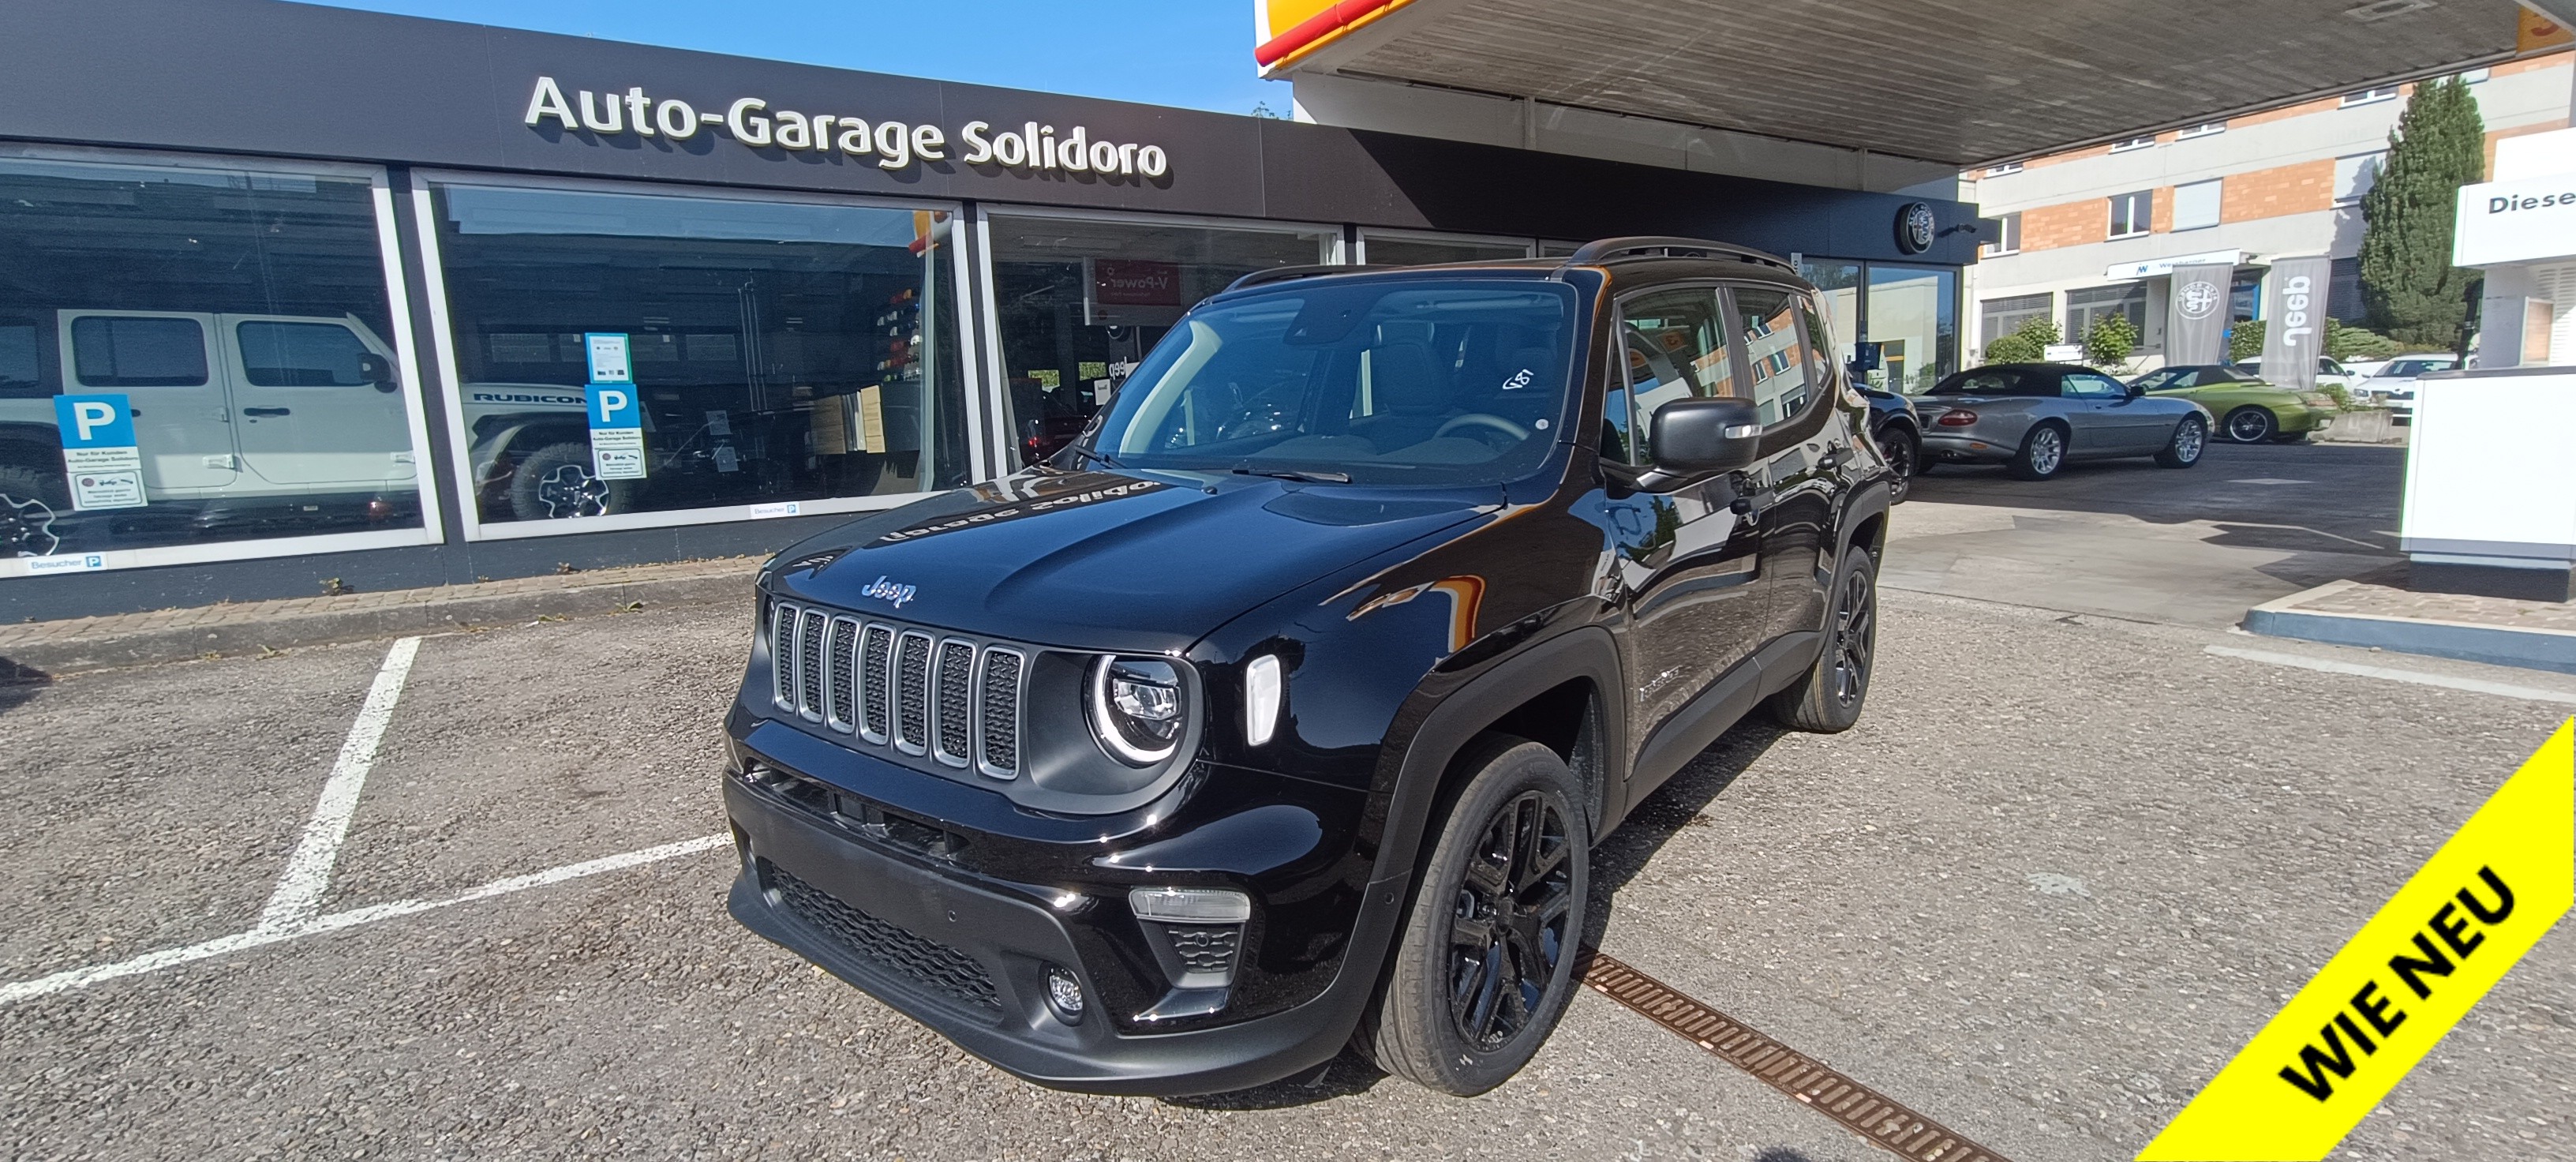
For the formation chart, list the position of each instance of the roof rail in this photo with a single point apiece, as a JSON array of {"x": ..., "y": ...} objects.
[
  {"x": 1285, "y": 273},
  {"x": 1609, "y": 248}
]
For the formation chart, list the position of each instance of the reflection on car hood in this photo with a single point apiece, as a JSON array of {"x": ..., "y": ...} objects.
[{"x": 1144, "y": 560}]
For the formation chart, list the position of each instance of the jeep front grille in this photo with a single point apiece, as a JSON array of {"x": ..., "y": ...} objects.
[{"x": 952, "y": 699}]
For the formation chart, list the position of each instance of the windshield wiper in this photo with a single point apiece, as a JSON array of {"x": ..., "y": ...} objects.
[
  {"x": 1295, "y": 474},
  {"x": 1087, "y": 454}
]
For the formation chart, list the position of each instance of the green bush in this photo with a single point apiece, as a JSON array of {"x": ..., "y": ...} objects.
[
  {"x": 2110, "y": 341},
  {"x": 2345, "y": 342},
  {"x": 2245, "y": 341},
  {"x": 2028, "y": 343}
]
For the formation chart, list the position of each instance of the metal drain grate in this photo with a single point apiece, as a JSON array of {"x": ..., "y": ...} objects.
[{"x": 1887, "y": 1123}]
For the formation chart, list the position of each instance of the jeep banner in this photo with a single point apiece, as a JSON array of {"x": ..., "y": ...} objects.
[
  {"x": 2295, "y": 335},
  {"x": 2197, "y": 317}
]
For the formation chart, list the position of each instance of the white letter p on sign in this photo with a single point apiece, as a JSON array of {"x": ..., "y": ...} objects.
[
  {"x": 611, "y": 403},
  {"x": 89, "y": 415}
]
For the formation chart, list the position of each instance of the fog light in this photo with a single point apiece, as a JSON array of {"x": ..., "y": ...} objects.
[
  {"x": 1064, "y": 994},
  {"x": 1190, "y": 905}
]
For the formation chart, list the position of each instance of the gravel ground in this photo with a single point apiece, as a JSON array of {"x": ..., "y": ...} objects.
[{"x": 2061, "y": 871}]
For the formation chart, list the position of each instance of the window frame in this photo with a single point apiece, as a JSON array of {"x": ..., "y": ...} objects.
[
  {"x": 987, "y": 337},
  {"x": 2133, "y": 144},
  {"x": 1801, "y": 304},
  {"x": 2144, "y": 223},
  {"x": 1357, "y": 244},
  {"x": 2006, "y": 169},
  {"x": 2217, "y": 211},
  {"x": 443, "y": 337},
  {"x": 2370, "y": 96},
  {"x": 2204, "y": 129},
  {"x": 398, "y": 307},
  {"x": 2007, "y": 236}
]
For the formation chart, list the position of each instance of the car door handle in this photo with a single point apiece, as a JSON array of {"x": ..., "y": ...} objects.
[{"x": 264, "y": 411}]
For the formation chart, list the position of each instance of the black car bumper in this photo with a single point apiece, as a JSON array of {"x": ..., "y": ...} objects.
[{"x": 969, "y": 956}]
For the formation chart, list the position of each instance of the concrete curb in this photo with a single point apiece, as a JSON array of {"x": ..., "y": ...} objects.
[
  {"x": 252, "y": 630},
  {"x": 2530, "y": 649}
]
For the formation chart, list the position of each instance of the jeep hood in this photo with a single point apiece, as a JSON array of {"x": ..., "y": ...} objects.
[{"x": 1146, "y": 560}]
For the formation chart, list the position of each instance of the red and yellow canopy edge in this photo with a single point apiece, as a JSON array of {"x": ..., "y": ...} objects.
[{"x": 1297, "y": 27}]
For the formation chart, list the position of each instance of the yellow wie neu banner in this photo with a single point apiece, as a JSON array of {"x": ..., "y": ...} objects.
[{"x": 2409, "y": 975}]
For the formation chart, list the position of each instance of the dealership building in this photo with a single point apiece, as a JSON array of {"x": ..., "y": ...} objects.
[{"x": 292, "y": 295}]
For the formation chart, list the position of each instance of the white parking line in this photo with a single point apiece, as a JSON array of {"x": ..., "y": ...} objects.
[
  {"x": 2415, "y": 677},
  {"x": 308, "y": 871},
  {"x": 336, "y": 921}
]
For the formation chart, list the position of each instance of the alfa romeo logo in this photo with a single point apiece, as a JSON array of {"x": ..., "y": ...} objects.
[
  {"x": 2199, "y": 299},
  {"x": 1915, "y": 228}
]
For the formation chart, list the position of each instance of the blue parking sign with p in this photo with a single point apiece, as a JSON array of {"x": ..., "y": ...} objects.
[
  {"x": 613, "y": 406},
  {"x": 94, "y": 421}
]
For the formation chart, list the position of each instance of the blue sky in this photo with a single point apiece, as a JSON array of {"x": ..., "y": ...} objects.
[{"x": 1192, "y": 53}]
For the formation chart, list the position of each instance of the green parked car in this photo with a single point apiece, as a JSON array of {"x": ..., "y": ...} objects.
[{"x": 2249, "y": 410}]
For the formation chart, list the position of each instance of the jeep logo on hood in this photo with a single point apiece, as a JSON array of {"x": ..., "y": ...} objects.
[{"x": 885, "y": 590}]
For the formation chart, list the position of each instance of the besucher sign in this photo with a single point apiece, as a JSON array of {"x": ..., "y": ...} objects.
[{"x": 892, "y": 144}]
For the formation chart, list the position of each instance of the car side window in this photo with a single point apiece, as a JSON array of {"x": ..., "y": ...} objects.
[
  {"x": 2084, "y": 385},
  {"x": 301, "y": 355},
  {"x": 138, "y": 352},
  {"x": 22, "y": 362},
  {"x": 1675, "y": 347},
  {"x": 1767, "y": 320}
]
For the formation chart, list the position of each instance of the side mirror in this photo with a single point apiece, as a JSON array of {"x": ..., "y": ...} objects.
[
  {"x": 1702, "y": 437},
  {"x": 2136, "y": 390},
  {"x": 372, "y": 368}
]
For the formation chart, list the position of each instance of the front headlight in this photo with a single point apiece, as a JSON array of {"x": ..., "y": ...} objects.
[{"x": 1137, "y": 708}]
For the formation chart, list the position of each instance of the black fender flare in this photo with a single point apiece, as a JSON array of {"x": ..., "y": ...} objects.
[{"x": 1457, "y": 717}]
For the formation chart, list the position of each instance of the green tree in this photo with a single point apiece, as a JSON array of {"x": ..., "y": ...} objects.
[
  {"x": 2110, "y": 341},
  {"x": 2408, "y": 285},
  {"x": 2029, "y": 343}
]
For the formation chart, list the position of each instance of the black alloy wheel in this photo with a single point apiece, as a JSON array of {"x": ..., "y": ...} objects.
[
  {"x": 1484, "y": 966},
  {"x": 2250, "y": 425},
  {"x": 1829, "y": 697},
  {"x": 1904, "y": 455},
  {"x": 1855, "y": 638},
  {"x": 1508, "y": 927}
]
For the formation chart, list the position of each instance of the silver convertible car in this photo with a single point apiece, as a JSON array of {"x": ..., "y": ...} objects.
[{"x": 2034, "y": 417}]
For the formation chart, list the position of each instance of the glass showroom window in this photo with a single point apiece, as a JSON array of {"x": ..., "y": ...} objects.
[
  {"x": 228, "y": 347},
  {"x": 1401, "y": 248},
  {"x": 785, "y": 357},
  {"x": 1914, "y": 320},
  {"x": 1079, "y": 302},
  {"x": 1840, "y": 282}
]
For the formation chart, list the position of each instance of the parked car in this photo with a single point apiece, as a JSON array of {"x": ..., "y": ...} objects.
[
  {"x": 241, "y": 420},
  {"x": 2394, "y": 385},
  {"x": 2036, "y": 417},
  {"x": 2249, "y": 410},
  {"x": 1284, "y": 708},
  {"x": 1899, "y": 435},
  {"x": 2330, "y": 372}
]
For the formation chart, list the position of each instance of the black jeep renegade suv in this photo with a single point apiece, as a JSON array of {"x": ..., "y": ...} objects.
[{"x": 1283, "y": 708}]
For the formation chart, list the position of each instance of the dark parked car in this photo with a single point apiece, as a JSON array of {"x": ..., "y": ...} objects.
[
  {"x": 2034, "y": 418},
  {"x": 1898, "y": 431},
  {"x": 1284, "y": 708}
]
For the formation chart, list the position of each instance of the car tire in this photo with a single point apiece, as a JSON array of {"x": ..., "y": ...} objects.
[
  {"x": 2184, "y": 448},
  {"x": 556, "y": 481},
  {"x": 1904, "y": 454},
  {"x": 30, "y": 503},
  {"x": 2250, "y": 425},
  {"x": 2043, "y": 452},
  {"x": 1514, "y": 846},
  {"x": 1828, "y": 699}
]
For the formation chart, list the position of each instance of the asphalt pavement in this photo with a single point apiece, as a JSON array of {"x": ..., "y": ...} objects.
[
  {"x": 2064, "y": 867},
  {"x": 2125, "y": 538}
]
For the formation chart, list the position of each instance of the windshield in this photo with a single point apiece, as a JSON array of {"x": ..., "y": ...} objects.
[
  {"x": 1993, "y": 381},
  {"x": 1412, "y": 381},
  {"x": 2158, "y": 380}
]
